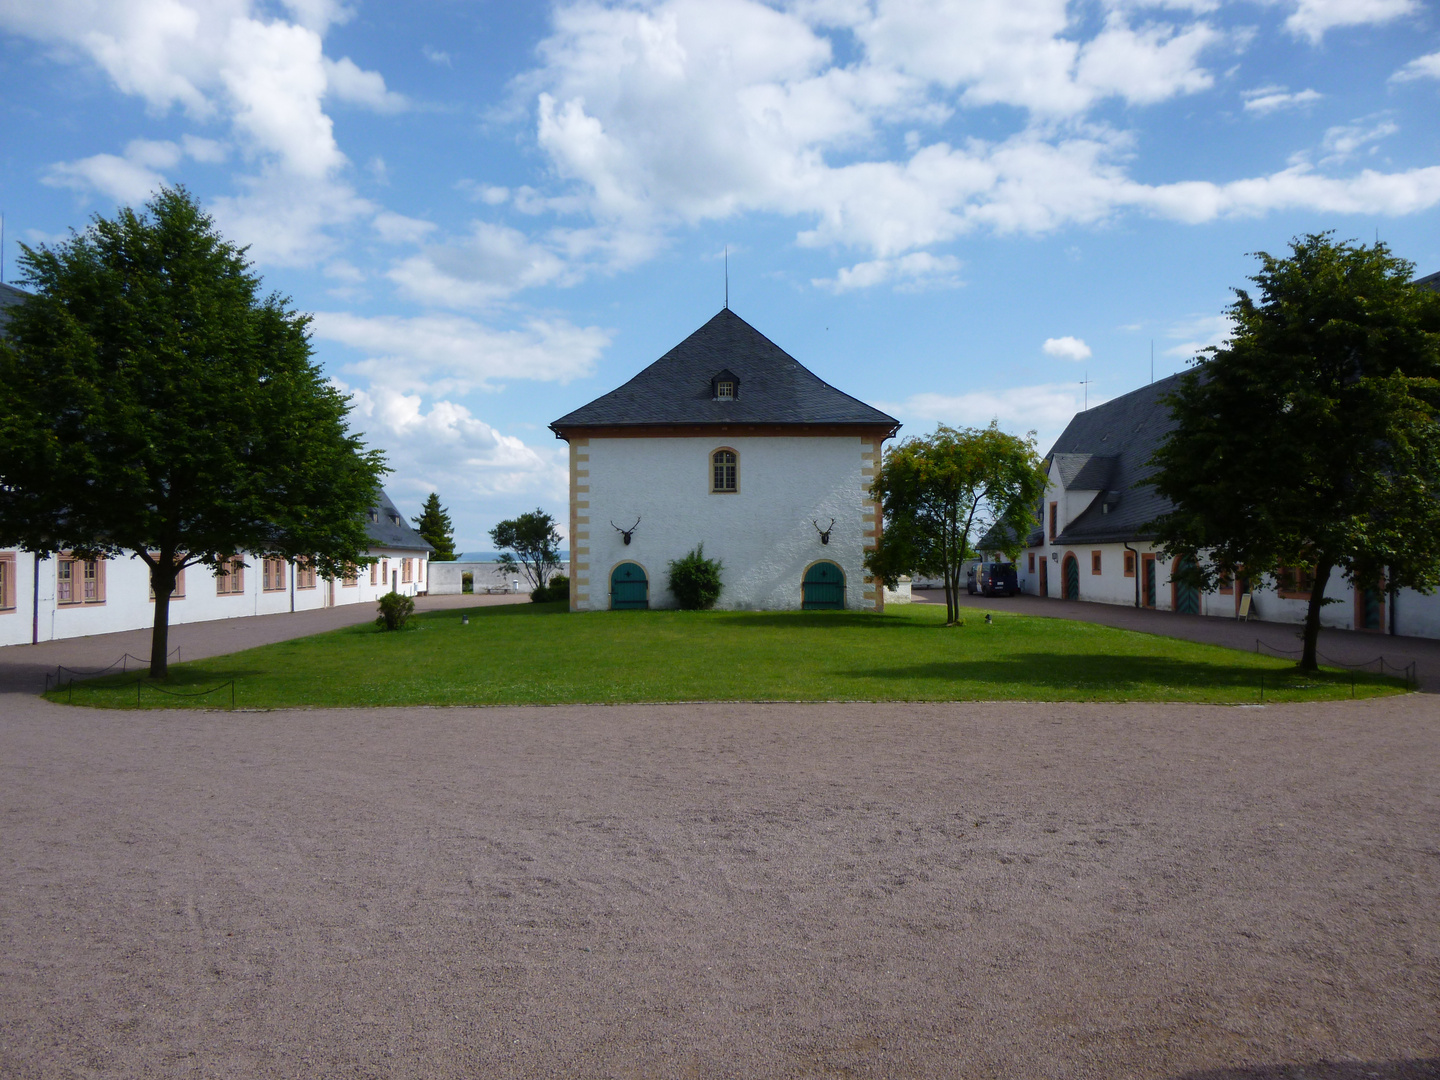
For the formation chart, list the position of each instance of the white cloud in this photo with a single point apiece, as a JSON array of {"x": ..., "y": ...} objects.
[
  {"x": 447, "y": 354},
  {"x": 1067, "y": 348},
  {"x": 1197, "y": 334},
  {"x": 398, "y": 229},
  {"x": 435, "y": 56},
  {"x": 447, "y": 448},
  {"x": 229, "y": 61},
  {"x": 348, "y": 82},
  {"x": 493, "y": 262},
  {"x": 1312, "y": 18},
  {"x": 682, "y": 111},
  {"x": 1044, "y": 409},
  {"x": 1268, "y": 99},
  {"x": 1422, "y": 67},
  {"x": 1344, "y": 140},
  {"x": 910, "y": 273},
  {"x": 134, "y": 177}
]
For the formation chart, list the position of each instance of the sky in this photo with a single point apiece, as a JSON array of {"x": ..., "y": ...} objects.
[{"x": 955, "y": 210}]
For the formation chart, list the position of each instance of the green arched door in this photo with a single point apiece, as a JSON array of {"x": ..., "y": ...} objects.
[
  {"x": 629, "y": 588},
  {"x": 1187, "y": 597},
  {"x": 1072, "y": 578},
  {"x": 823, "y": 588}
]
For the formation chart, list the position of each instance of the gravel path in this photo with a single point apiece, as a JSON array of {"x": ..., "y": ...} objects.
[{"x": 972, "y": 890}]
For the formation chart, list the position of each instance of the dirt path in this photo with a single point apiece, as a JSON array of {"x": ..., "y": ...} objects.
[{"x": 748, "y": 891}]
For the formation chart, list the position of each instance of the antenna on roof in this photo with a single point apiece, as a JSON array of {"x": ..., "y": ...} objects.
[
  {"x": 727, "y": 277},
  {"x": 1085, "y": 382}
]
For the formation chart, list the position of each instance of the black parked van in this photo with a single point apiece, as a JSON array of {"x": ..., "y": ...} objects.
[{"x": 992, "y": 579}]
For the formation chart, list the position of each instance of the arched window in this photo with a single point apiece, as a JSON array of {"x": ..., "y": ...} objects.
[{"x": 724, "y": 470}]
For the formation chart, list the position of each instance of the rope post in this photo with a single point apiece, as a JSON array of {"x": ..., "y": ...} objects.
[
  {"x": 137, "y": 693},
  {"x": 232, "y": 693},
  {"x": 1352, "y": 686},
  {"x": 1262, "y": 688}
]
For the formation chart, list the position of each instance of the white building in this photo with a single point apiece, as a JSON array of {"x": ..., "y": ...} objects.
[
  {"x": 729, "y": 442},
  {"x": 1092, "y": 542},
  {"x": 42, "y": 599}
]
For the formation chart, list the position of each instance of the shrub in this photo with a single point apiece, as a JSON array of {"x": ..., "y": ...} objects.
[
  {"x": 395, "y": 611},
  {"x": 557, "y": 588},
  {"x": 467, "y": 582},
  {"x": 695, "y": 580}
]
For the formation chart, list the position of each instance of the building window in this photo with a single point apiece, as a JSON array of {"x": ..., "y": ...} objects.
[
  {"x": 304, "y": 574},
  {"x": 7, "y": 583},
  {"x": 1032, "y": 562},
  {"x": 179, "y": 591},
  {"x": 1094, "y": 562},
  {"x": 1054, "y": 517},
  {"x": 385, "y": 573},
  {"x": 274, "y": 575},
  {"x": 1129, "y": 564},
  {"x": 1226, "y": 583},
  {"x": 351, "y": 577},
  {"x": 725, "y": 389},
  {"x": 724, "y": 471},
  {"x": 405, "y": 570},
  {"x": 79, "y": 581},
  {"x": 1295, "y": 582},
  {"x": 374, "y": 573},
  {"x": 230, "y": 577}
]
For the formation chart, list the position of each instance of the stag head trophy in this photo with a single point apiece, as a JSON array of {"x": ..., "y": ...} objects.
[
  {"x": 825, "y": 532},
  {"x": 626, "y": 533}
]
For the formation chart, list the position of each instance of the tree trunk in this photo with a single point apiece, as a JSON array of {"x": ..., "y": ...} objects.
[
  {"x": 1308, "y": 658},
  {"x": 162, "y": 580}
]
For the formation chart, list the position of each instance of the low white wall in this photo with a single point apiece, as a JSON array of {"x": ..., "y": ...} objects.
[{"x": 445, "y": 578}]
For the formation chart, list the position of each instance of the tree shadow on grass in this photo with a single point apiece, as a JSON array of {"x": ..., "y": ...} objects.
[
  {"x": 1408, "y": 1069},
  {"x": 1108, "y": 673}
]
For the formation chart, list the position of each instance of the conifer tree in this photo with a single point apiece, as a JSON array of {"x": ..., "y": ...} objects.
[{"x": 434, "y": 526}]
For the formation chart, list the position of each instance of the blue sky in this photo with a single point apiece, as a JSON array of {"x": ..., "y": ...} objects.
[{"x": 953, "y": 209}]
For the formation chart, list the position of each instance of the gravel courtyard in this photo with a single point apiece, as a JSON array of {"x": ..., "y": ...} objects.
[{"x": 723, "y": 891}]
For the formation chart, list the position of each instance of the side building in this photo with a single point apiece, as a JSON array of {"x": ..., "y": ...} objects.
[
  {"x": 729, "y": 442},
  {"x": 64, "y": 596},
  {"x": 1092, "y": 542}
]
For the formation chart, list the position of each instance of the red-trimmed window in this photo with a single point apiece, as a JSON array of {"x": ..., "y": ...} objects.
[
  {"x": 304, "y": 574},
  {"x": 230, "y": 577},
  {"x": 7, "y": 582},
  {"x": 1129, "y": 564},
  {"x": 1094, "y": 562},
  {"x": 79, "y": 581}
]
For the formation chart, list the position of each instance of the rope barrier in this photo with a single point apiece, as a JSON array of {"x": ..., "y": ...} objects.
[
  {"x": 122, "y": 663},
  {"x": 1407, "y": 670},
  {"x": 139, "y": 683}
]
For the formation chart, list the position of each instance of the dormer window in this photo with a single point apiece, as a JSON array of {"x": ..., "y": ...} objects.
[
  {"x": 374, "y": 516},
  {"x": 724, "y": 386}
]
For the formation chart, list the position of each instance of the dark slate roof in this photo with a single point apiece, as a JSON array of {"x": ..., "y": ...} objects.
[
  {"x": 1085, "y": 472},
  {"x": 1430, "y": 281},
  {"x": 1116, "y": 441},
  {"x": 392, "y": 530},
  {"x": 774, "y": 387}
]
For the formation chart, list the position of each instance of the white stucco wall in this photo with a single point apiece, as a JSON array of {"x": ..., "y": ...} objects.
[
  {"x": 763, "y": 533},
  {"x": 127, "y": 604},
  {"x": 445, "y": 578}
]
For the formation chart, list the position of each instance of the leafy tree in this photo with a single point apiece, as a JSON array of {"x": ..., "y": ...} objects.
[
  {"x": 1311, "y": 440},
  {"x": 695, "y": 580},
  {"x": 529, "y": 543},
  {"x": 435, "y": 528},
  {"x": 155, "y": 405},
  {"x": 940, "y": 491}
]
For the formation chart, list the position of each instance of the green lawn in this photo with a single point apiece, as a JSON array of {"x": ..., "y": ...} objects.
[{"x": 541, "y": 654}]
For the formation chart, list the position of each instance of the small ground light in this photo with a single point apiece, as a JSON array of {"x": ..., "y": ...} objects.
[
  {"x": 465, "y": 619},
  {"x": 988, "y": 620}
]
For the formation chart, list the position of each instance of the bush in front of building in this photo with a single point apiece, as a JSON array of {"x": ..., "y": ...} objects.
[
  {"x": 395, "y": 611},
  {"x": 557, "y": 588},
  {"x": 695, "y": 580}
]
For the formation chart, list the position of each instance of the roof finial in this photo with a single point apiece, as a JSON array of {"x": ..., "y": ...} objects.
[{"x": 727, "y": 277}]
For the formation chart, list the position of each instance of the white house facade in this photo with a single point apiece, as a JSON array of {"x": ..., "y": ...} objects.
[
  {"x": 1092, "y": 541},
  {"x": 729, "y": 442},
  {"x": 63, "y": 596}
]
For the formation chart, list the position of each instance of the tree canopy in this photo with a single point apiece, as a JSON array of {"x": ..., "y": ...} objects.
[
  {"x": 156, "y": 405},
  {"x": 941, "y": 491},
  {"x": 529, "y": 543},
  {"x": 434, "y": 526},
  {"x": 1310, "y": 440}
]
